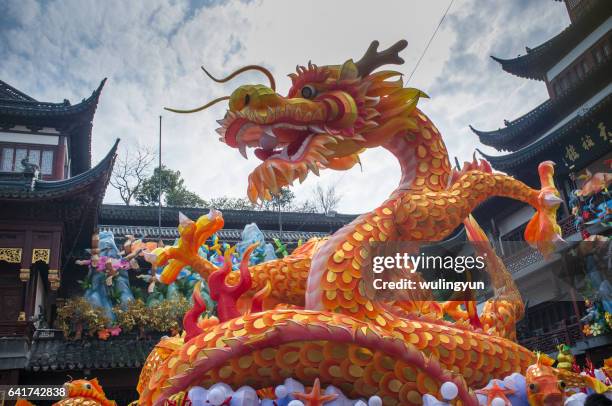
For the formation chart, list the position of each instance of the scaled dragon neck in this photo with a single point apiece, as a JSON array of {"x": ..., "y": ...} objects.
[{"x": 422, "y": 157}]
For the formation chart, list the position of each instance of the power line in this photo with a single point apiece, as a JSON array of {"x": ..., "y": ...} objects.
[{"x": 430, "y": 40}]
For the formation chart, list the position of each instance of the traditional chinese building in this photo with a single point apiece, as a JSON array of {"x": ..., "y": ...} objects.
[
  {"x": 289, "y": 227},
  {"x": 50, "y": 204},
  {"x": 49, "y": 200},
  {"x": 573, "y": 128}
]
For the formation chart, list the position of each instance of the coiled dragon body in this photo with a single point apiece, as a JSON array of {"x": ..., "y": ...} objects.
[{"x": 318, "y": 320}]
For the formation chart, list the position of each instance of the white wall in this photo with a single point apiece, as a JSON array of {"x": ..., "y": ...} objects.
[
  {"x": 38, "y": 139},
  {"x": 40, "y": 295}
]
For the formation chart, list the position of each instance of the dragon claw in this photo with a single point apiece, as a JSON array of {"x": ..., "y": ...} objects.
[
  {"x": 542, "y": 231},
  {"x": 193, "y": 234},
  {"x": 213, "y": 214},
  {"x": 184, "y": 220},
  {"x": 550, "y": 199}
]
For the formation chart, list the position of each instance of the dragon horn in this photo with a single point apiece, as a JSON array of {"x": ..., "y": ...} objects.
[{"x": 372, "y": 59}]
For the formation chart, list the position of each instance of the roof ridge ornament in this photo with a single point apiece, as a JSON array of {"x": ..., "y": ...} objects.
[{"x": 13, "y": 93}]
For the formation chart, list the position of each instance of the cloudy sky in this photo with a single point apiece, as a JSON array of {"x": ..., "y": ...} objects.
[{"x": 151, "y": 52}]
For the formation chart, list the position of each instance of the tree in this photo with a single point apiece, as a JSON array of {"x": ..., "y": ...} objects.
[
  {"x": 326, "y": 199},
  {"x": 307, "y": 206},
  {"x": 130, "y": 172},
  {"x": 282, "y": 201},
  {"x": 230, "y": 203},
  {"x": 174, "y": 192},
  {"x": 285, "y": 201},
  {"x": 181, "y": 197}
]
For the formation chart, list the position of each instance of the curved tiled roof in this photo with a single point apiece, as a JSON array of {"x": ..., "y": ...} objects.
[
  {"x": 234, "y": 219},
  {"x": 36, "y": 189},
  {"x": 538, "y": 60},
  {"x": 529, "y": 126},
  {"x": 8, "y": 92},
  {"x": 59, "y": 354},
  {"x": 27, "y": 106},
  {"x": 227, "y": 235},
  {"x": 75, "y": 121},
  {"x": 527, "y": 154}
]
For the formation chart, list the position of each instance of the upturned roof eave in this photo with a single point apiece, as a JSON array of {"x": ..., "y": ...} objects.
[
  {"x": 507, "y": 138},
  {"x": 517, "y": 158},
  {"x": 39, "y": 110},
  {"x": 44, "y": 190},
  {"x": 536, "y": 62}
]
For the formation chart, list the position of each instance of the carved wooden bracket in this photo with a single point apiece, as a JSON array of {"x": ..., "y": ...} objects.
[
  {"x": 41, "y": 254},
  {"x": 11, "y": 255}
]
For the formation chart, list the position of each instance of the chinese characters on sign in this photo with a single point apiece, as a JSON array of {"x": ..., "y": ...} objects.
[{"x": 572, "y": 152}]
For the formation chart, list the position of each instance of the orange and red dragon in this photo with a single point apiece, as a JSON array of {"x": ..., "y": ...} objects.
[{"x": 317, "y": 320}]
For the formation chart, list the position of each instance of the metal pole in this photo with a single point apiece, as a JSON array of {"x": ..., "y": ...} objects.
[
  {"x": 280, "y": 222},
  {"x": 159, "y": 204}
]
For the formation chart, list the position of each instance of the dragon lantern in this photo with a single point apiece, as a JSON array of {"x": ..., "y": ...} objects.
[{"x": 317, "y": 323}]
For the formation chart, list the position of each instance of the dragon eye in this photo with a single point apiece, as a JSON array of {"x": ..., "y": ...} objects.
[
  {"x": 87, "y": 386},
  {"x": 562, "y": 385},
  {"x": 247, "y": 99},
  {"x": 533, "y": 387},
  {"x": 308, "y": 92}
]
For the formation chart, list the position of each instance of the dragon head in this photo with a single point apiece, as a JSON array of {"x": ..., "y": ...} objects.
[
  {"x": 89, "y": 389},
  {"x": 329, "y": 116}
]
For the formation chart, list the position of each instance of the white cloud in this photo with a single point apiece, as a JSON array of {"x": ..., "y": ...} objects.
[{"x": 151, "y": 51}]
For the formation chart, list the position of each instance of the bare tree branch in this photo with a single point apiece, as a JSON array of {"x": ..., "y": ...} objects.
[
  {"x": 130, "y": 172},
  {"x": 326, "y": 199}
]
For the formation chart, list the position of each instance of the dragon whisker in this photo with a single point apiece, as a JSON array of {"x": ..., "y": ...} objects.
[
  {"x": 241, "y": 70},
  {"x": 207, "y": 105}
]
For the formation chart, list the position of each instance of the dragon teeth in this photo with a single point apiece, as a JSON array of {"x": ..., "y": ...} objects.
[
  {"x": 242, "y": 149},
  {"x": 331, "y": 139},
  {"x": 313, "y": 168},
  {"x": 316, "y": 129},
  {"x": 302, "y": 172}
]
